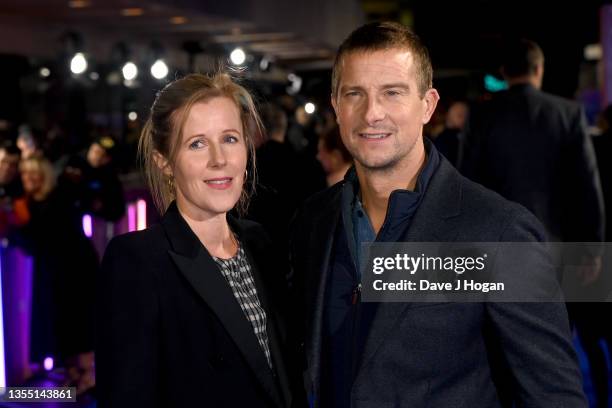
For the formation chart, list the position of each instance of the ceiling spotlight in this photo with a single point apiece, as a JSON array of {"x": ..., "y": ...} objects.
[
  {"x": 94, "y": 76},
  {"x": 159, "y": 69},
  {"x": 132, "y": 116},
  {"x": 44, "y": 72},
  {"x": 264, "y": 64},
  {"x": 78, "y": 63},
  {"x": 129, "y": 71},
  {"x": 295, "y": 84},
  {"x": 238, "y": 56},
  {"x": 310, "y": 108}
]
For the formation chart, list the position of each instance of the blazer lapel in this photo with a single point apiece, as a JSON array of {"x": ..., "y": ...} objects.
[
  {"x": 201, "y": 271},
  {"x": 272, "y": 327},
  {"x": 434, "y": 221}
]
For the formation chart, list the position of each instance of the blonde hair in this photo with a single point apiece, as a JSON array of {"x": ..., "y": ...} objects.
[
  {"x": 162, "y": 132},
  {"x": 44, "y": 167}
]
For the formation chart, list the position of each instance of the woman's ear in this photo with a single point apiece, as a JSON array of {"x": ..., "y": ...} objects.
[{"x": 162, "y": 163}]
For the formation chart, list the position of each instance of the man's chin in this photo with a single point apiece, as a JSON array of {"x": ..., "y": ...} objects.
[{"x": 381, "y": 164}]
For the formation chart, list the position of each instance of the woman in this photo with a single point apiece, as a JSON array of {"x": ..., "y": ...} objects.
[
  {"x": 187, "y": 308},
  {"x": 65, "y": 264}
]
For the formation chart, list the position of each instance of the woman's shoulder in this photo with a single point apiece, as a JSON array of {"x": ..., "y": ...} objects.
[
  {"x": 147, "y": 241},
  {"x": 250, "y": 231}
]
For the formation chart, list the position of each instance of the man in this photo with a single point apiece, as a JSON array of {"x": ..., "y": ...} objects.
[
  {"x": 413, "y": 354},
  {"x": 533, "y": 148},
  {"x": 93, "y": 182},
  {"x": 447, "y": 142}
]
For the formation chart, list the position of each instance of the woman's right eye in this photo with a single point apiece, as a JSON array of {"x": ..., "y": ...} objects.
[{"x": 196, "y": 144}]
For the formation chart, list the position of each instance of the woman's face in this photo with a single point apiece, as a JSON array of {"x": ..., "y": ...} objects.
[
  {"x": 210, "y": 165},
  {"x": 32, "y": 180}
]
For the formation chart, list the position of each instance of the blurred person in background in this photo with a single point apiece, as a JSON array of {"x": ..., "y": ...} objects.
[
  {"x": 92, "y": 180},
  {"x": 28, "y": 143},
  {"x": 10, "y": 184},
  {"x": 333, "y": 156},
  {"x": 278, "y": 187},
  {"x": 190, "y": 310},
  {"x": 533, "y": 148},
  {"x": 447, "y": 141},
  {"x": 64, "y": 265}
]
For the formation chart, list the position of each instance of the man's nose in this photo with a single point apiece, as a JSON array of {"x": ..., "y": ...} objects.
[{"x": 374, "y": 111}]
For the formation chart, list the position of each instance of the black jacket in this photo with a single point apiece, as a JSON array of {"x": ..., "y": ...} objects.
[
  {"x": 532, "y": 147},
  {"x": 170, "y": 332},
  {"x": 440, "y": 355}
]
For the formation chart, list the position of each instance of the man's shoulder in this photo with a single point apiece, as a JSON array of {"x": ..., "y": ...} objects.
[
  {"x": 486, "y": 210},
  {"x": 563, "y": 104}
]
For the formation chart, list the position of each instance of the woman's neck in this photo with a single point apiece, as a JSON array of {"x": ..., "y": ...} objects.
[{"x": 214, "y": 233}]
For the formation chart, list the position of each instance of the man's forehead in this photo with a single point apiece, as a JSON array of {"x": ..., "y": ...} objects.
[{"x": 377, "y": 65}]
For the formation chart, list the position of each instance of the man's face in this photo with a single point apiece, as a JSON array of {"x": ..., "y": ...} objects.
[
  {"x": 9, "y": 165},
  {"x": 379, "y": 109}
]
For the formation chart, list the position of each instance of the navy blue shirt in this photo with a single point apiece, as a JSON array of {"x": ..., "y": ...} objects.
[{"x": 346, "y": 319}]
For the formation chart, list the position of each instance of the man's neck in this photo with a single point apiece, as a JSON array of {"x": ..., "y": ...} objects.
[
  {"x": 525, "y": 80},
  {"x": 376, "y": 186}
]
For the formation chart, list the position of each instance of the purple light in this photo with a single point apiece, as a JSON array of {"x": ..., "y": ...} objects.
[
  {"x": 141, "y": 214},
  {"x": 87, "y": 226},
  {"x": 131, "y": 217},
  {"x": 2, "y": 358},
  {"x": 48, "y": 363}
]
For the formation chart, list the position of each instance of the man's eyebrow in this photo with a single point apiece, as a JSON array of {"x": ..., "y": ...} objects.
[
  {"x": 346, "y": 87},
  {"x": 401, "y": 85}
]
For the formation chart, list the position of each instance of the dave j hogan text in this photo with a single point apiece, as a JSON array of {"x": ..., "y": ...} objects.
[{"x": 463, "y": 285}]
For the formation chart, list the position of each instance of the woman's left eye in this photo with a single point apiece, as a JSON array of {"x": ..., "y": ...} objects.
[{"x": 230, "y": 139}]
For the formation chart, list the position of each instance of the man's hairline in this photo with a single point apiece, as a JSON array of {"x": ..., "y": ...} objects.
[{"x": 365, "y": 50}]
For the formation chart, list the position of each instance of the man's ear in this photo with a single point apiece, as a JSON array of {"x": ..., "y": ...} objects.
[
  {"x": 430, "y": 100},
  {"x": 162, "y": 163}
]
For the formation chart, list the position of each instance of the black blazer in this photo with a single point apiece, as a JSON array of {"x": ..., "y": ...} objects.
[
  {"x": 170, "y": 332},
  {"x": 533, "y": 148},
  {"x": 441, "y": 355}
]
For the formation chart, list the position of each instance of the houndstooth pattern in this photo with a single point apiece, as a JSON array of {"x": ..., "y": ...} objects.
[{"x": 237, "y": 272}]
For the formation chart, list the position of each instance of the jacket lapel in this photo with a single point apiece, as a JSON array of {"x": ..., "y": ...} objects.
[
  {"x": 273, "y": 322},
  {"x": 434, "y": 221},
  {"x": 201, "y": 271}
]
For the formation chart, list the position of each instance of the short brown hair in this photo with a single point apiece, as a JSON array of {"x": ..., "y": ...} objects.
[
  {"x": 380, "y": 36},
  {"x": 162, "y": 132},
  {"x": 521, "y": 57}
]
